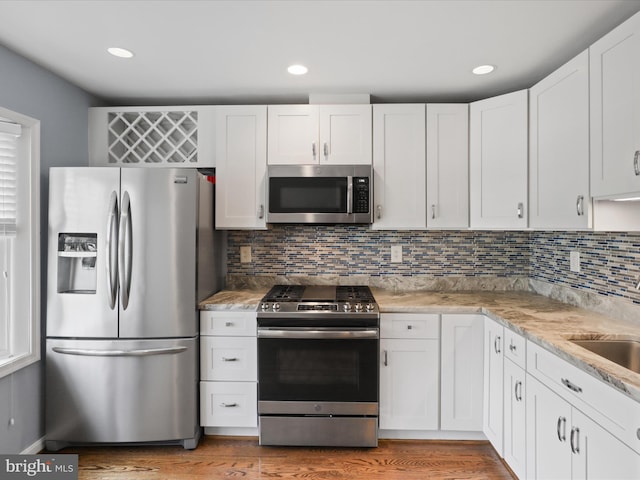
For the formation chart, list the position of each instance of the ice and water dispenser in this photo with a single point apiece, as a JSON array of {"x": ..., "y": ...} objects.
[{"x": 77, "y": 263}]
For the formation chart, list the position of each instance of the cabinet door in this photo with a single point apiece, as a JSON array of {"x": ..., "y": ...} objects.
[
  {"x": 461, "y": 372},
  {"x": 515, "y": 418},
  {"x": 409, "y": 390},
  {"x": 241, "y": 134},
  {"x": 345, "y": 134},
  {"x": 615, "y": 111},
  {"x": 548, "y": 433},
  {"x": 597, "y": 454},
  {"x": 447, "y": 166},
  {"x": 399, "y": 167},
  {"x": 293, "y": 134},
  {"x": 493, "y": 383},
  {"x": 559, "y": 148},
  {"x": 498, "y": 162}
]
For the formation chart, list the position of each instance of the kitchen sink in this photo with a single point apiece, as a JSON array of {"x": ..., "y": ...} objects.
[{"x": 624, "y": 352}]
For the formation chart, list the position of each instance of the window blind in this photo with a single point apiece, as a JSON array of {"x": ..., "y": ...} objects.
[{"x": 9, "y": 134}]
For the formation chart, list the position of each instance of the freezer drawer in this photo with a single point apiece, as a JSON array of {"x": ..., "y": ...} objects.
[{"x": 125, "y": 391}]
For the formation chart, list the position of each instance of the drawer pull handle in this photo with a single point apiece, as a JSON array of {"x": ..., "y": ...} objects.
[
  {"x": 562, "y": 423},
  {"x": 229, "y": 359},
  {"x": 518, "y": 391},
  {"x": 386, "y": 359},
  {"x": 571, "y": 386},
  {"x": 512, "y": 347},
  {"x": 228, "y": 324},
  {"x": 229, "y": 405},
  {"x": 496, "y": 344},
  {"x": 575, "y": 440}
]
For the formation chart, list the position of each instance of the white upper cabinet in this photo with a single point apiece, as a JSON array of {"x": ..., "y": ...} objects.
[
  {"x": 319, "y": 134},
  {"x": 615, "y": 111},
  {"x": 498, "y": 162},
  {"x": 241, "y": 154},
  {"x": 559, "y": 148},
  {"x": 447, "y": 166},
  {"x": 176, "y": 136},
  {"x": 399, "y": 167}
]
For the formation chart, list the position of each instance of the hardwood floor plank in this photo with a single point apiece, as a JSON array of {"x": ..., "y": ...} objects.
[{"x": 242, "y": 458}]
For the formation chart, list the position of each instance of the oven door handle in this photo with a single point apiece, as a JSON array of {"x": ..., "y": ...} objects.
[{"x": 318, "y": 333}]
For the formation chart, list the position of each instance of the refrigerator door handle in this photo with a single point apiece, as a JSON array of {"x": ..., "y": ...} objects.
[
  {"x": 112, "y": 252},
  {"x": 125, "y": 251},
  {"x": 88, "y": 352}
]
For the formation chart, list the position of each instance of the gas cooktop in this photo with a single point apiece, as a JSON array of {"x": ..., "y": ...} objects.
[{"x": 300, "y": 300}]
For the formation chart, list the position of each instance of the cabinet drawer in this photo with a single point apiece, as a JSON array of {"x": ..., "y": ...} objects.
[
  {"x": 409, "y": 325},
  {"x": 228, "y": 404},
  {"x": 228, "y": 358},
  {"x": 224, "y": 323},
  {"x": 515, "y": 348},
  {"x": 611, "y": 409}
]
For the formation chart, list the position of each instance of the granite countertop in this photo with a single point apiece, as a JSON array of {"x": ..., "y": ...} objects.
[{"x": 547, "y": 322}]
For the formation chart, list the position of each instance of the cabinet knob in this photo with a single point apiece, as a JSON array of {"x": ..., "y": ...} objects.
[{"x": 409, "y": 327}]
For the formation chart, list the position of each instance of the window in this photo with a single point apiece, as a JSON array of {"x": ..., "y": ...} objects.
[{"x": 19, "y": 242}]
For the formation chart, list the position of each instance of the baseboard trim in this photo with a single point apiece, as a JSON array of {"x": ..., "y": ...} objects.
[{"x": 35, "y": 447}]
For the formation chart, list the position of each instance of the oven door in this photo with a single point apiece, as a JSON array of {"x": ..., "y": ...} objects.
[{"x": 318, "y": 371}]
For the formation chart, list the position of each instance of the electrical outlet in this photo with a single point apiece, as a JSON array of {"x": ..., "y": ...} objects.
[
  {"x": 396, "y": 253},
  {"x": 574, "y": 261},
  {"x": 245, "y": 254}
]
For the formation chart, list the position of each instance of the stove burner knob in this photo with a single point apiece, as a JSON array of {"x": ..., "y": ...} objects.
[
  {"x": 358, "y": 307},
  {"x": 276, "y": 306},
  {"x": 265, "y": 306},
  {"x": 370, "y": 306},
  {"x": 346, "y": 307}
]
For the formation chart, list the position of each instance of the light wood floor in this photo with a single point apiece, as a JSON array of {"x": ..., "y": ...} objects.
[{"x": 243, "y": 458}]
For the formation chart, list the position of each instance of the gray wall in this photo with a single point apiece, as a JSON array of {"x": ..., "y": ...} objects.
[{"x": 62, "y": 110}]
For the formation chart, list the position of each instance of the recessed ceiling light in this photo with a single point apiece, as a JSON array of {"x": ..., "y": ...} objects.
[
  {"x": 483, "y": 69},
  {"x": 297, "y": 69},
  {"x": 120, "y": 52}
]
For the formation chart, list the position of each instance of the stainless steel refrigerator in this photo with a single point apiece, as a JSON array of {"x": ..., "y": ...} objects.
[{"x": 131, "y": 252}]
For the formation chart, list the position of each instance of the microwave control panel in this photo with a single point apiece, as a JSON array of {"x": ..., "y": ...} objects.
[{"x": 360, "y": 194}]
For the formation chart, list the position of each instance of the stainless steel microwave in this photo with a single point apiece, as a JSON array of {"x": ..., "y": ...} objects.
[{"x": 319, "y": 194}]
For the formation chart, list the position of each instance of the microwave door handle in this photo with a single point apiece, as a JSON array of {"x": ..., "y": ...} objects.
[{"x": 349, "y": 194}]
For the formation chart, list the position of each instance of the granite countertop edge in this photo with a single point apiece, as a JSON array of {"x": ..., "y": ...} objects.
[{"x": 546, "y": 322}]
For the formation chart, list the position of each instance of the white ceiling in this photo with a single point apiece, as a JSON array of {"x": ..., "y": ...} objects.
[{"x": 238, "y": 51}]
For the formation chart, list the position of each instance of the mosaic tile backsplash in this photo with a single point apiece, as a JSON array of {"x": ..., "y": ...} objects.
[{"x": 610, "y": 262}]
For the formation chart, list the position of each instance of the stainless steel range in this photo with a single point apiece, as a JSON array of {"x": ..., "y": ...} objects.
[{"x": 318, "y": 366}]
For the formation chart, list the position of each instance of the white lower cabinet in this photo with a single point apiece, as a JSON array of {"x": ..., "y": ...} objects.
[
  {"x": 515, "y": 423},
  {"x": 461, "y": 384},
  {"x": 409, "y": 371},
  {"x": 228, "y": 371},
  {"x": 563, "y": 443},
  {"x": 492, "y": 424}
]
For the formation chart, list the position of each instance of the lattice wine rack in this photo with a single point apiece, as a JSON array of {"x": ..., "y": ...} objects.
[{"x": 153, "y": 137}]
